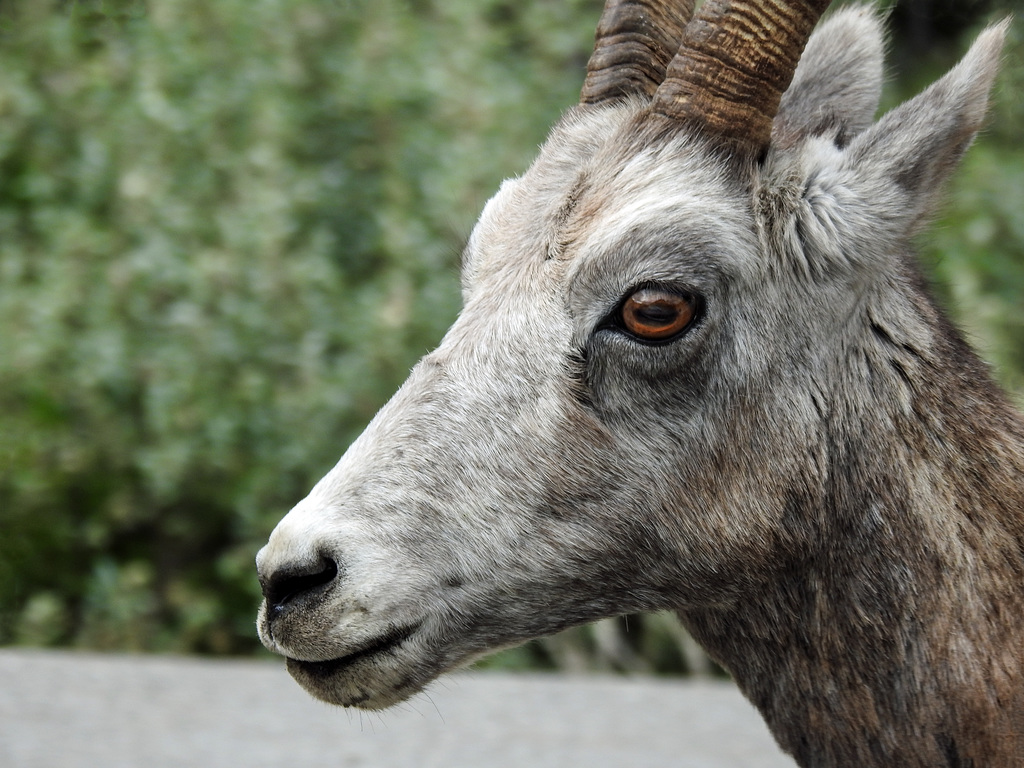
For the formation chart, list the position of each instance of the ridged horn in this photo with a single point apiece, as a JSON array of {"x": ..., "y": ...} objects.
[
  {"x": 633, "y": 45},
  {"x": 736, "y": 60}
]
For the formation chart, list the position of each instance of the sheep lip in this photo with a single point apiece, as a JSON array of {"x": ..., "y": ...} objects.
[{"x": 384, "y": 644}]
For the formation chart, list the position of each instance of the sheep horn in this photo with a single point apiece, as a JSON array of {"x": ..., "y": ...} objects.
[
  {"x": 736, "y": 60},
  {"x": 633, "y": 45}
]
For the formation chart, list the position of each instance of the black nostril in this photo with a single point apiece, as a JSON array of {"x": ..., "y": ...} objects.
[{"x": 288, "y": 583}]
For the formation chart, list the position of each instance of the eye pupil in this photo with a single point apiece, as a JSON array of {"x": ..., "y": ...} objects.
[{"x": 657, "y": 314}]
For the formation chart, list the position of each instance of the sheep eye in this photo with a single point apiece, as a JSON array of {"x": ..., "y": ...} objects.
[{"x": 658, "y": 314}]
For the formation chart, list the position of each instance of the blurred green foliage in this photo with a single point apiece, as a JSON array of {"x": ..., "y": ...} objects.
[{"x": 227, "y": 230}]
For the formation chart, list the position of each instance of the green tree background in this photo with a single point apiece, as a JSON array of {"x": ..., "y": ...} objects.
[{"x": 229, "y": 227}]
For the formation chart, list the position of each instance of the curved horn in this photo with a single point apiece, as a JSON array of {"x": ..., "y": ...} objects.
[
  {"x": 634, "y": 42},
  {"x": 736, "y": 60}
]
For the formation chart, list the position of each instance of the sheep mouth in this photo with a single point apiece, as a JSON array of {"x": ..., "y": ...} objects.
[{"x": 387, "y": 643}]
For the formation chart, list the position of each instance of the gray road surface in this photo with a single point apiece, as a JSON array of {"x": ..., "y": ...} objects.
[{"x": 67, "y": 710}]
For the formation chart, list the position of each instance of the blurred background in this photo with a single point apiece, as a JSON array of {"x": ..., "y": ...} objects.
[{"x": 229, "y": 227}]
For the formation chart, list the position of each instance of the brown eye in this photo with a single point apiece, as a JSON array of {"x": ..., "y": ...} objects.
[{"x": 657, "y": 314}]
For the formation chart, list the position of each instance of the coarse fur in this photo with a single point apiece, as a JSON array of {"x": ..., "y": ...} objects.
[{"x": 819, "y": 476}]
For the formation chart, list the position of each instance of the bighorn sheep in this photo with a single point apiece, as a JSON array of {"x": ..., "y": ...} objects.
[{"x": 697, "y": 368}]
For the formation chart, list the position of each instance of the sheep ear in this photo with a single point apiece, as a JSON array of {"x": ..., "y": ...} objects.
[
  {"x": 862, "y": 201},
  {"x": 902, "y": 161},
  {"x": 837, "y": 85}
]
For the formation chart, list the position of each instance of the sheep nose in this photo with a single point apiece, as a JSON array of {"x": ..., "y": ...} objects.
[{"x": 289, "y": 583}]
